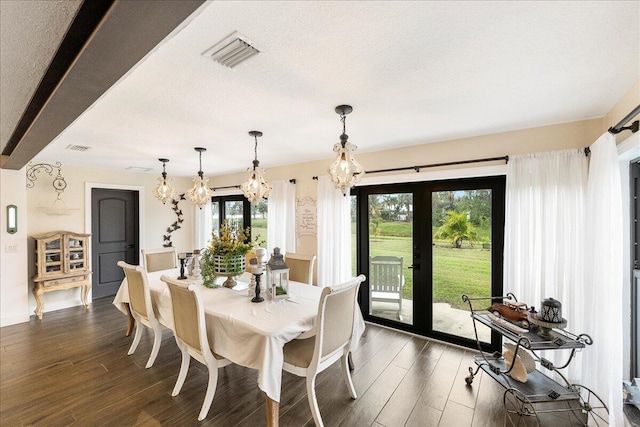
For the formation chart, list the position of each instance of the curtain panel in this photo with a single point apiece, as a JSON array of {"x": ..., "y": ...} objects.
[
  {"x": 334, "y": 234},
  {"x": 281, "y": 217},
  {"x": 563, "y": 240},
  {"x": 602, "y": 365},
  {"x": 203, "y": 225}
]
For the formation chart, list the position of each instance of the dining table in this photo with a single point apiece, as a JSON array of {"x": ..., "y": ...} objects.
[{"x": 247, "y": 333}]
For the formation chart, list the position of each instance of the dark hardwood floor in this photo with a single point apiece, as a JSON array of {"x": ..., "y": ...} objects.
[{"x": 72, "y": 368}]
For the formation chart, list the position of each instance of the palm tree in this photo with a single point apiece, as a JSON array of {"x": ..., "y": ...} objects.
[{"x": 456, "y": 227}]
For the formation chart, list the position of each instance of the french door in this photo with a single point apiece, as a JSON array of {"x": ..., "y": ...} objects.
[{"x": 422, "y": 246}]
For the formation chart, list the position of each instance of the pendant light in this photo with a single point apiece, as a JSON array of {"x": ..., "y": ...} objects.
[
  {"x": 164, "y": 191},
  {"x": 200, "y": 194},
  {"x": 256, "y": 188},
  {"x": 345, "y": 171}
]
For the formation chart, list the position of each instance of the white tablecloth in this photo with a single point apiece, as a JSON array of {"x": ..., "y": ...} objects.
[{"x": 248, "y": 334}]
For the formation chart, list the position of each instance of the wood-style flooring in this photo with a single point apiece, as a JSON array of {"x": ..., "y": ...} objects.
[{"x": 72, "y": 368}]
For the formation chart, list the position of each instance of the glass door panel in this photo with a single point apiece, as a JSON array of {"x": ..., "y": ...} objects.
[
  {"x": 390, "y": 220},
  {"x": 215, "y": 217},
  {"x": 233, "y": 211},
  {"x": 461, "y": 233},
  {"x": 259, "y": 222}
]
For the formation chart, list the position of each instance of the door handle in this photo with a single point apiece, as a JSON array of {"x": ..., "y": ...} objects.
[
  {"x": 414, "y": 267},
  {"x": 131, "y": 246}
]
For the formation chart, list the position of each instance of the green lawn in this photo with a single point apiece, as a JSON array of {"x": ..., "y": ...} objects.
[
  {"x": 259, "y": 226},
  {"x": 455, "y": 272}
]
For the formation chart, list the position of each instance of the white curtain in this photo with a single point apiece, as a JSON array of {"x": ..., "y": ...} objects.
[
  {"x": 334, "y": 234},
  {"x": 544, "y": 234},
  {"x": 203, "y": 226},
  {"x": 602, "y": 363},
  {"x": 281, "y": 217}
]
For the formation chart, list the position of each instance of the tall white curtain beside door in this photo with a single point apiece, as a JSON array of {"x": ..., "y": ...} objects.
[
  {"x": 544, "y": 234},
  {"x": 203, "y": 226},
  {"x": 281, "y": 217},
  {"x": 563, "y": 240},
  {"x": 602, "y": 367},
  {"x": 334, "y": 234}
]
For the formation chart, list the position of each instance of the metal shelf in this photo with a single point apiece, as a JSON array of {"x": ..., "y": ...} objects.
[{"x": 531, "y": 340}]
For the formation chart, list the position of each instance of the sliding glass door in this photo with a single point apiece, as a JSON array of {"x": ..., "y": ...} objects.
[{"x": 422, "y": 246}]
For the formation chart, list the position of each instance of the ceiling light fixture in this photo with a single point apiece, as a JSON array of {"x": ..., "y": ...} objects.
[
  {"x": 345, "y": 171},
  {"x": 256, "y": 188},
  {"x": 164, "y": 191},
  {"x": 200, "y": 194}
]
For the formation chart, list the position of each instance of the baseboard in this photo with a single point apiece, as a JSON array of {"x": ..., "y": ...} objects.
[{"x": 13, "y": 320}]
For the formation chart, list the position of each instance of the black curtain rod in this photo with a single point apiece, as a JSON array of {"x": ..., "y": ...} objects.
[
  {"x": 223, "y": 188},
  {"x": 435, "y": 165},
  {"x": 621, "y": 124},
  {"x": 293, "y": 181}
]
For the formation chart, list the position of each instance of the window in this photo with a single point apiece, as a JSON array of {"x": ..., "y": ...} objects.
[{"x": 238, "y": 210}]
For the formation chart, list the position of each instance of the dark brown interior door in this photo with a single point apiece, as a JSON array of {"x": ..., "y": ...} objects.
[{"x": 114, "y": 228}]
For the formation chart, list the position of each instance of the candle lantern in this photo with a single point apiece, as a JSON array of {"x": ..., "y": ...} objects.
[{"x": 277, "y": 276}]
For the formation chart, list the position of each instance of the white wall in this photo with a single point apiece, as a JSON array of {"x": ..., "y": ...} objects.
[
  {"x": 14, "y": 284},
  {"x": 546, "y": 138},
  {"x": 156, "y": 217},
  {"x": 15, "y": 280}
]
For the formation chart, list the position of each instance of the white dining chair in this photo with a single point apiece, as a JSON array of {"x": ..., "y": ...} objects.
[
  {"x": 332, "y": 341},
  {"x": 159, "y": 259},
  {"x": 141, "y": 308},
  {"x": 300, "y": 267},
  {"x": 191, "y": 337}
]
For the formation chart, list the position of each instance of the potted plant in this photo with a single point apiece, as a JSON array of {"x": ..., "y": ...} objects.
[{"x": 225, "y": 255}]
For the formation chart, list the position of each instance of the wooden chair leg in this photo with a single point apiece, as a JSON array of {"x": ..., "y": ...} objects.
[
  {"x": 132, "y": 321},
  {"x": 273, "y": 412}
]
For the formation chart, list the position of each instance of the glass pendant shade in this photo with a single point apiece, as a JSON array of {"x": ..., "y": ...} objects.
[
  {"x": 200, "y": 193},
  {"x": 164, "y": 191},
  {"x": 345, "y": 171},
  {"x": 256, "y": 188}
]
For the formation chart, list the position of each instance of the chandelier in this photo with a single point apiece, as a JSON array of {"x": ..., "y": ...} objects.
[
  {"x": 164, "y": 191},
  {"x": 345, "y": 171},
  {"x": 256, "y": 188},
  {"x": 200, "y": 194}
]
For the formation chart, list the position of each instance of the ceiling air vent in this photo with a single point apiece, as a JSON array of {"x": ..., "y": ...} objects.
[
  {"x": 137, "y": 169},
  {"x": 77, "y": 147},
  {"x": 232, "y": 50}
]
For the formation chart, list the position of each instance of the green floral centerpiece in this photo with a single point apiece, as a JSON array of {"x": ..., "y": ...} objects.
[{"x": 225, "y": 255}]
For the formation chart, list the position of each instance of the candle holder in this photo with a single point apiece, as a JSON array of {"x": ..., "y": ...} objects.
[
  {"x": 257, "y": 298},
  {"x": 183, "y": 259},
  {"x": 195, "y": 272}
]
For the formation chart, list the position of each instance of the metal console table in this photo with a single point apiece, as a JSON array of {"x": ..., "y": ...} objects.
[{"x": 520, "y": 399}]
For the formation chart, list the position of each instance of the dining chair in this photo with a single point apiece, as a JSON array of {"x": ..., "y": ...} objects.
[
  {"x": 141, "y": 308},
  {"x": 300, "y": 267},
  {"x": 159, "y": 259},
  {"x": 191, "y": 337},
  {"x": 332, "y": 341}
]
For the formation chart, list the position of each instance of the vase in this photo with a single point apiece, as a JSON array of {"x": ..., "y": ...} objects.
[{"x": 229, "y": 266}]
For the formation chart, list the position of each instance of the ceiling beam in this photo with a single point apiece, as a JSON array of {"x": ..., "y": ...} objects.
[{"x": 125, "y": 33}]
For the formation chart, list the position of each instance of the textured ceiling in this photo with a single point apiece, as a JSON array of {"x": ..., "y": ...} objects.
[
  {"x": 30, "y": 33},
  {"x": 415, "y": 72}
]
